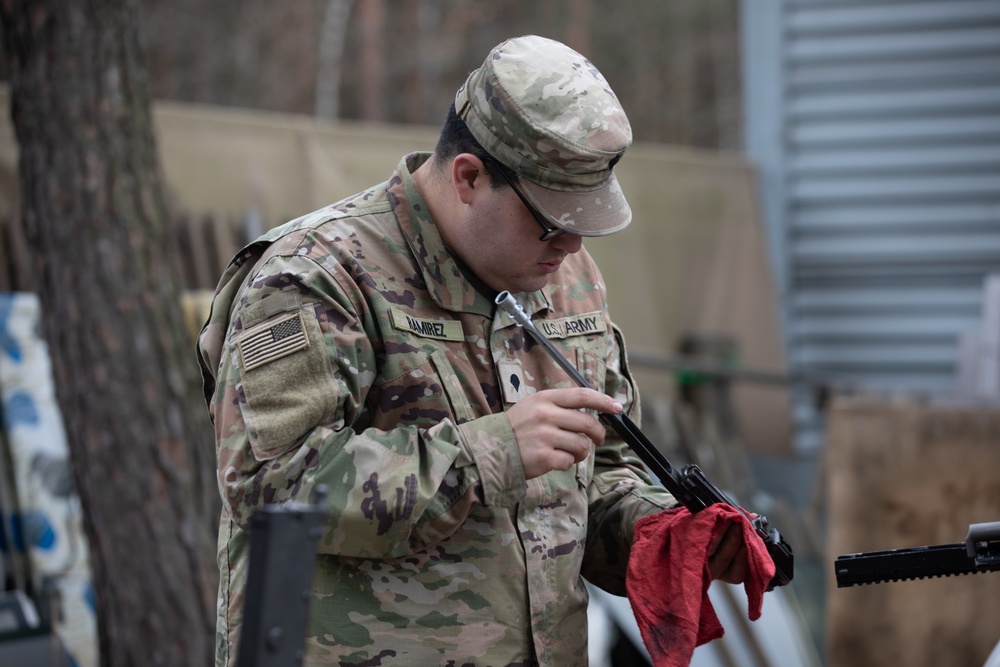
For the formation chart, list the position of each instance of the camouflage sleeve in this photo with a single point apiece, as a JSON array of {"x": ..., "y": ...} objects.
[
  {"x": 297, "y": 366},
  {"x": 621, "y": 491}
]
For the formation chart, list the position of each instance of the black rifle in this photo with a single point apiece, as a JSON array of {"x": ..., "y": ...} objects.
[
  {"x": 689, "y": 485},
  {"x": 979, "y": 553},
  {"x": 282, "y": 557}
]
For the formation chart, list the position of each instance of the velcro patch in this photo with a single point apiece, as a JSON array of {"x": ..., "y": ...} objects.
[
  {"x": 428, "y": 328},
  {"x": 512, "y": 381},
  {"x": 278, "y": 339},
  {"x": 576, "y": 325}
]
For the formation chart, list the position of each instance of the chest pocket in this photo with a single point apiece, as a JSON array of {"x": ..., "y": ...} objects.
[
  {"x": 452, "y": 387},
  {"x": 582, "y": 339},
  {"x": 586, "y": 353},
  {"x": 592, "y": 367},
  {"x": 423, "y": 386}
]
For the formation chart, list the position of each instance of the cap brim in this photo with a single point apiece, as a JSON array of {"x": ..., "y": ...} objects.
[{"x": 593, "y": 212}]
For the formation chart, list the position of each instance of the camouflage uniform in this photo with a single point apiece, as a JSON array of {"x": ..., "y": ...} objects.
[{"x": 348, "y": 348}]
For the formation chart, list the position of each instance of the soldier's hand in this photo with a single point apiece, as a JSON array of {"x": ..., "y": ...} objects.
[
  {"x": 727, "y": 560},
  {"x": 553, "y": 433}
]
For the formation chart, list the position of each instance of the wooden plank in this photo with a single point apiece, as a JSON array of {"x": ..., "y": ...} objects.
[
  {"x": 196, "y": 304},
  {"x": 223, "y": 240},
  {"x": 199, "y": 270},
  {"x": 901, "y": 474},
  {"x": 185, "y": 258}
]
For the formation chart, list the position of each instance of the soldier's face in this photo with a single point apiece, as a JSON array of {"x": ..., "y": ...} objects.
[{"x": 507, "y": 253}]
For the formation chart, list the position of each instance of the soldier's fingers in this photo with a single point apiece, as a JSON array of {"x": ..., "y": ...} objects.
[
  {"x": 576, "y": 445},
  {"x": 584, "y": 423},
  {"x": 735, "y": 571},
  {"x": 726, "y": 551},
  {"x": 575, "y": 398},
  {"x": 548, "y": 411},
  {"x": 563, "y": 460}
]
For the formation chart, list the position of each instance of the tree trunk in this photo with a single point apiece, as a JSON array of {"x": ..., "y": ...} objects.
[
  {"x": 330, "y": 63},
  {"x": 371, "y": 26},
  {"x": 93, "y": 211}
]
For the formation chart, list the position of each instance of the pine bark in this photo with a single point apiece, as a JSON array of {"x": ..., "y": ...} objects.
[{"x": 94, "y": 215}]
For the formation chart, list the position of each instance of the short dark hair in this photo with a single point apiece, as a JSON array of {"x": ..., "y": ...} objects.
[{"x": 456, "y": 138}]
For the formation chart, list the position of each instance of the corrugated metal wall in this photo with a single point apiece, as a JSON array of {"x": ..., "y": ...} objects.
[{"x": 876, "y": 127}]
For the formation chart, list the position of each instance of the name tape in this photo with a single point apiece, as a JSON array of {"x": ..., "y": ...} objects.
[{"x": 427, "y": 328}]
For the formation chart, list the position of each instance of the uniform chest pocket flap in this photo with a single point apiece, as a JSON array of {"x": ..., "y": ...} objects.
[{"x": 592, "y": 367}]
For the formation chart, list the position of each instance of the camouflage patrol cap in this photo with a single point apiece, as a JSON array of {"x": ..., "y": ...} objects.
[{"x": 544, "y": 111}]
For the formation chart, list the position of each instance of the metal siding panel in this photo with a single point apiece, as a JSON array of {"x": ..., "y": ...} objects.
[
  {"x": 922, "y": 101},
  {"x": 944, "y": 186},
  {"x": 845, "y": 300},
  {"x": 880, "y": 257},
  {"x": 889, "y": 355},
  {"x": 914, "y": 71},
  {"x": 955, "y": 130},
  {"x": 883, "y": 45},
  {"x": 901, "y": 218},
  {"x": 915, "y": 325},
  {"x": 818, "y": 18},
  {"x": 889, "y": 164},
  {"x": 908, "y": 159}
]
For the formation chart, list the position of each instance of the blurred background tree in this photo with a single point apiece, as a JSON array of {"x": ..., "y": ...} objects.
[
  {"x": 673, "y": 63},
  {"x": 93, "y": 213}
]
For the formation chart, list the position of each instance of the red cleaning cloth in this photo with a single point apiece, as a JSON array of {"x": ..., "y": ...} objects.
[{"x": 668, "y": 578}]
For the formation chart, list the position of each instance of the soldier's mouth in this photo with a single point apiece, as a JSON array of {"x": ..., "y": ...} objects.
[{"x": 551, "y": 266}]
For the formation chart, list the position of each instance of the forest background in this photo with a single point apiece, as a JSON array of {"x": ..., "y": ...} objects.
[{"x": 673, "y": 63}]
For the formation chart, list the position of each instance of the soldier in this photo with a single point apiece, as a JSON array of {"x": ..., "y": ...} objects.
[{"x": 471, "y": 487}]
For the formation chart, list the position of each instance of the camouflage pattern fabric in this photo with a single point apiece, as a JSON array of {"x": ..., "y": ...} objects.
[
  {"x": 546, "y": 112},
  {"x": 347, "y": 348}
]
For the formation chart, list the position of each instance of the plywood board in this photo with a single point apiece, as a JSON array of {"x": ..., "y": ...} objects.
[{"x": 904, "y": 474}]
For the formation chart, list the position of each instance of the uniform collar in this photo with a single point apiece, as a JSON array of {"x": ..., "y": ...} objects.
[{"x": 449, "y": 282}]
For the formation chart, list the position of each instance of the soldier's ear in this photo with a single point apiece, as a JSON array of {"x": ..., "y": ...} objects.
[{"x": 468, "y": 176}]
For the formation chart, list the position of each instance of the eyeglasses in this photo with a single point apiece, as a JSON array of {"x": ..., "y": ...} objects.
[{"x": 548, "y": 232}]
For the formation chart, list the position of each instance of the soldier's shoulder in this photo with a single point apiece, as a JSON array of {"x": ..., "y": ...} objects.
[{"x": 373, "y": 201}]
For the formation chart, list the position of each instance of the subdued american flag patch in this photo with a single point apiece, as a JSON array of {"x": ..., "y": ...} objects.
[{"x": 277, "y": 340}]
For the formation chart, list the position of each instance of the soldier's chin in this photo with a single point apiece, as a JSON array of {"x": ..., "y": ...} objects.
[{"x": 531, "y": 284}]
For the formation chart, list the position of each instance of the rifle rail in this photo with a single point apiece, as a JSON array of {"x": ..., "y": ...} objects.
[{"x": 979, "y": 553}]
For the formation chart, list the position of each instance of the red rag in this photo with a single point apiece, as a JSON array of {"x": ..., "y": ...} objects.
[{"x": 668, "y": 578}]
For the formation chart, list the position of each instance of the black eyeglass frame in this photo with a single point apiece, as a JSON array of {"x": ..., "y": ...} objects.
[{"x": 548, "y": 232}]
